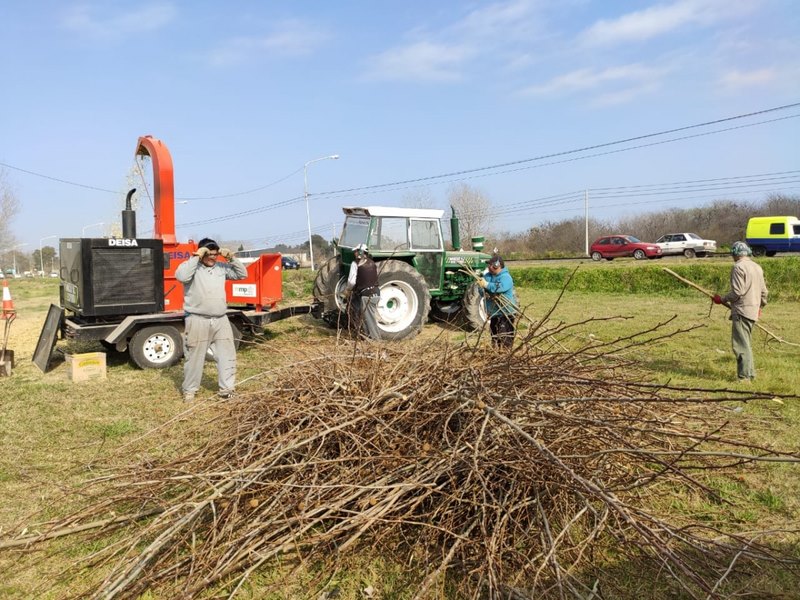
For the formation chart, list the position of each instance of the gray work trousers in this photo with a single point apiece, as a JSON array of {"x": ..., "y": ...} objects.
[
  {"x": 741, "y": 335},
  {"x": 365, "y": 315},
  {"x": 200, "y": 334}
]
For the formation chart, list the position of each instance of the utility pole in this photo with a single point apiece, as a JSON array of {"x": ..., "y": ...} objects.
[
  {"x": 308, "y": 211},
  {"x": 586, "y": 220}
]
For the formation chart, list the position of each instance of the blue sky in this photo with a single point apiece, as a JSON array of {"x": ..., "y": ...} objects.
[{"x": 245, "y": 93}]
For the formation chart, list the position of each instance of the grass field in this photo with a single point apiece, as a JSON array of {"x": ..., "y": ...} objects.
[{"x": 55, "y": 432}]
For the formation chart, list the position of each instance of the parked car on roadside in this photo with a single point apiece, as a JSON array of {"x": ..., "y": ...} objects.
[
  {"x": 618, "y": 246},
  {"x": 688, "y": 244},
  {"x": 287, "y": 262}
]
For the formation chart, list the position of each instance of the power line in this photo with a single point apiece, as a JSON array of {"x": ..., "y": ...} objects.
[
  {"x": 369, "y": 190},
  {"x": 683, "y": 189},
  {"x": 574, "y": 151},
  {"x": 731, "y": 178},
  {"x": 580, "y": 207},
  {"x": 478, "y": 169},
  {"x": 736, "y": 182},
  {"x": 65, "y": 181},
  {"x": 246, "y": 192},
  {"x": 246, "y": 213}
]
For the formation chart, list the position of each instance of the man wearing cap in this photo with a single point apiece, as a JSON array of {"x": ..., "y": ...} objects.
[
  {"x": 206, "y": 321},
  {"x": 747, "y": 296},
  {"x": 501, "y": 305},
  {"x": 363, "y": 292}
]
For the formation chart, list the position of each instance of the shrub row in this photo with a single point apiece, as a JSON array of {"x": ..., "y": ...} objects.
[{"x": 782, "y": 275}]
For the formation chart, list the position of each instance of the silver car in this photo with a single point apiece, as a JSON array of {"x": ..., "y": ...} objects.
[{"x": 688, "y": 244}]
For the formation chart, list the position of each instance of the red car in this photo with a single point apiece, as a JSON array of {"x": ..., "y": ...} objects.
[{"x": 616, "y": 246}]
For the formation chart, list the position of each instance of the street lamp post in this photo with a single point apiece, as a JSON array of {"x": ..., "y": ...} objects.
[
  {"x": 305, "y": 194},
  {"x": 85, "y": 227},
  {"x": 41, "y": 258}
]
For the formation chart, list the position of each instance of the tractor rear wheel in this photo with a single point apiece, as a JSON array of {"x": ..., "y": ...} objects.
[
  {"x": 328, "y": 287},
  {"x": 405, "y": 300},
  {"x": 474, "y": 308}
]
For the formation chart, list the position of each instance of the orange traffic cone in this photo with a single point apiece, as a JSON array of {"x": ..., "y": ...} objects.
[{"x": 8, "y": 303}]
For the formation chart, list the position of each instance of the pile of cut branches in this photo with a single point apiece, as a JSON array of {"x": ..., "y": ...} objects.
[{"x": 510, "y": 473}]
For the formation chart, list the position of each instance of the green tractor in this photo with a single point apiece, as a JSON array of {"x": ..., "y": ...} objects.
[{"x": 416, "y": 275}]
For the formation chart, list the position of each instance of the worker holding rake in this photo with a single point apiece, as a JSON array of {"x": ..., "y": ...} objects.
[
  {"x": 497, "y": 287},
  {"x": 747, "y": 296}
]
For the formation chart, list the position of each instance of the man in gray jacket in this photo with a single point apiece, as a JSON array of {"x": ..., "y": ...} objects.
[
  {"x": 747, "y": 296},
  {"x": 207, "y": 325}
]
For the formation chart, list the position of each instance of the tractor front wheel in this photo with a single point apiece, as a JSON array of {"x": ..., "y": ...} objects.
[{"x": 474, "y": 308}]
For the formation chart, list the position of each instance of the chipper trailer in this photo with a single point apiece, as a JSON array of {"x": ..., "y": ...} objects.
[{"x": 123, "y": 293}]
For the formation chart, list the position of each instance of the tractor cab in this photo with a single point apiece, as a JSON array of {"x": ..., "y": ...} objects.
[{"x": 413, "y": 235}]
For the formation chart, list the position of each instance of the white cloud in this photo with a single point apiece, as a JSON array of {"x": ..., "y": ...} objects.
[
  {"x": 633, "y": 76},
  {"x": 664, "y": 18},
  {"x": 421, "y": 61},
  {"x": 499, "y": 19},
  {"x": 497, "y": 32},
  {"x": 624, "y": 95},
  {"x": 287, "y": 38},
  {"x": 88, "y": 21},
  {"x": 742, "y": 79}
]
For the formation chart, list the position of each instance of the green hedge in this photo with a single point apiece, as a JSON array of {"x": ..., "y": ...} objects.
[{"x": 781, "y": 273}]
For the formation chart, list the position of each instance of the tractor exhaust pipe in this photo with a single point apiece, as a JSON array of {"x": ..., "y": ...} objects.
[
  {"x": 455, "y": 234},
  {"x": 129, "y": 218}
]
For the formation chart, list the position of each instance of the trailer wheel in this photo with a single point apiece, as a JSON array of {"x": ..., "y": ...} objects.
[
  {"x": 156, "y": 347},
  {"x": 474, "y": 308},
  {"x": 405, "y": 300}
]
